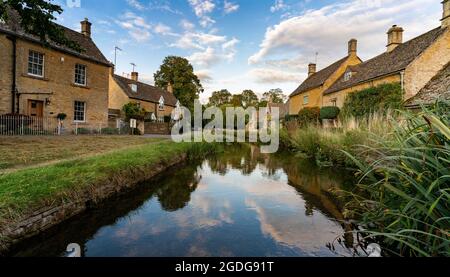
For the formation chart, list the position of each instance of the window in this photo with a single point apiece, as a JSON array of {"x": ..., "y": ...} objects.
[
  {"x": 161, "y": 103},
  {"x": 35, "y": 64},
  {"x": 80, "y": 74},
  {"x": 133, "y": 87},
  {"x": 347, "y": 76},
  {"x": 305, "y": 100},
  {"x": 79, "y": 111}
]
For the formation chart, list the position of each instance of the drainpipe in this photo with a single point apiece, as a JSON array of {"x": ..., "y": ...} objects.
[
  {"x": 402, "y": 83},
  {"x": 14, "y": 70}
]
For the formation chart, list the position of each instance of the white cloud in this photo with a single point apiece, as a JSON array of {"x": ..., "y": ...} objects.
[
  {"x": 230, "y": 7},
  {"x": 163, "y": 29},
  {"x": 163, "y": 5},
  {"x": 213, "y": 53},
  {"x": 278, "y": 6},
  {"x": 187, "y": 25},
  {"x": 137, "y": 26},
  {"x": 197, "y": 40},
  {"x": 273, "y": 76},
  {"x": 136, "y": 4},
  {"x": 204, "y": 75},
  {"x": 205, "y": 58},
  {"x": 202, "y": 9},
  {"x": 327, "y": 30}
]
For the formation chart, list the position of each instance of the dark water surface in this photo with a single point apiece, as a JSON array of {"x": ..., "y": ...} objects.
[{"x": 239, "y": 203}]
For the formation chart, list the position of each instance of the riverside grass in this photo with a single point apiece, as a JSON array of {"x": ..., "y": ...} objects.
[
  {"x": 402, "y": 161},
  {"x": 25, "y": 190}
]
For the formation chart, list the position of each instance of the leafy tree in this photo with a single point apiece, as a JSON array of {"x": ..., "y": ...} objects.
[
  {"x": 249, "y": 98},
  {"x": 275, "y": 96},
  {"x": 236, "y": 100},
  {"x": 133, "y": 111},
  {"x": 179, "y": 73},
  {"x": 37, "y": 18},
  {"x": 220, "y": 98}
]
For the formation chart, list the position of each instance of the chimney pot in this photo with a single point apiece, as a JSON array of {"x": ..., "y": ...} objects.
[
  {"x": 135, "y": 76},
  {"x": 170, "y": 87},
  {"x": 352, "y": 47},
  {"x": 446, "y": 13},
  {"x": 395, "y": 37},
  {"x": 312, "y": 67},
  {"x": 86, "y": 27}
]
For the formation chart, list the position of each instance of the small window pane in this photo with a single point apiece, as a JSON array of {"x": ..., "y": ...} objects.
[
  {"x": 306, "y": 100},
  {"x": 80, "y": 74},
  {"x": 35, "y": 63},
  {"x": 79, "y": 111}
]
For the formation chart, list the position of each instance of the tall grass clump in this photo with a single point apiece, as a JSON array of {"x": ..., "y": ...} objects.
[{"x": 406, "y": 203}]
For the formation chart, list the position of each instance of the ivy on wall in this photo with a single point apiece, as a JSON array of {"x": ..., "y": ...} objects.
[{"x": 376, "y": 99}]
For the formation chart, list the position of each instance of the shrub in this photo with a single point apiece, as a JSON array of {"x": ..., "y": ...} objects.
[
  {"x": 372, "y": 100},
  {"x": 309, "y": 116},
  {"x": 167, "y": 118},
  {"x": 133, "y": 110},
  {"x": 329, "y": 112},
  {"x": 110, "y": 131},
  {"x": 61, "y": 116}
]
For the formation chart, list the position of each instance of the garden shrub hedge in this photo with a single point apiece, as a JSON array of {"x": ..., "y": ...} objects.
[{"x": 329, "y": 112}]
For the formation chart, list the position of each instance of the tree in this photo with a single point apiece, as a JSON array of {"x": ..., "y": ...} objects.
[
  {"x": 179, "y": 73},
  {"x": 236, "y": 100},
  {"x": 275, "y": 96},
  {"x": 37, "y": 18},
  {"x": 220, "y": 98},
  {"x": 133, "y": 111},
  {"x": 249, "y": 98}
]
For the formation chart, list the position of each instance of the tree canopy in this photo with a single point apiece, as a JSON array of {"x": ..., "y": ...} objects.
[
  {"x": 220, "y": 98},
  {"x": 275, "y": 96},
  {"x": 179, "y": 73},
  {"x": 249, "y": 98},
  {"x": 37, "y": 18}
]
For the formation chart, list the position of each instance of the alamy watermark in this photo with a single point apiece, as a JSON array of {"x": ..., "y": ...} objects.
[{"x": 232, "y": 124}]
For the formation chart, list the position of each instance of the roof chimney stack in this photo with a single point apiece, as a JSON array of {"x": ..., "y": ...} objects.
[
  {"x": 86, "y": 27},
  {"x": 395, "y": 37},
  {"x": 312, "y": 67},
  {"x": 135, "y": 76},
  {"x": 446, "y": 14},
  {"x": 352, "y": 47}
]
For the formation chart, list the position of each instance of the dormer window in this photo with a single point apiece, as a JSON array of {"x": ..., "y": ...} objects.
[
  {"x": 161, "y": 103},
  {"x": 133, "y": 87},
  {"x": 347, "y": 76}
]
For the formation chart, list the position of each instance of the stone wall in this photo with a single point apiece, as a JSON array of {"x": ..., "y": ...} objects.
[{"x": 6, "y": 74}]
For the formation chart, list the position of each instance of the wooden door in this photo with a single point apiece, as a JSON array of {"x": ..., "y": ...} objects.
[{"x": 36, "y": 108}]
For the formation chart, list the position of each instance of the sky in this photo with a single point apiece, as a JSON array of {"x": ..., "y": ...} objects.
[{"x": 245, "y": 44}]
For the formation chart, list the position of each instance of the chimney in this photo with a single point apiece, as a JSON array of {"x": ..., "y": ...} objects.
[
  {"x": 395, "y": 37},
  {"x": 86, "y": 27},
  {"x": 352, "y": 47},
  {"x": 135, "y": 76},
  {"x": 311, "y": 69},
  {"x": 170, "y": 87},
  {"x": 446, "y": 14}
]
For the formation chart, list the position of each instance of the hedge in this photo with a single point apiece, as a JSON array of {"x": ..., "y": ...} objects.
[{"x": 329, "y": 112}]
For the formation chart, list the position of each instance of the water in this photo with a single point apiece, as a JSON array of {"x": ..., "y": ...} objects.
[{"x": 239, "y": 203}]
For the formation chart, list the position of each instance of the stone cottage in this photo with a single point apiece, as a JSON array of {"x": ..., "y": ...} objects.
[{"x": 44, "y": 81}]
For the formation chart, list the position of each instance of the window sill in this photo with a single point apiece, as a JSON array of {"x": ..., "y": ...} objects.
[
  {"x": 35, "y": 77},
  {"x": 80, "y": 86}
]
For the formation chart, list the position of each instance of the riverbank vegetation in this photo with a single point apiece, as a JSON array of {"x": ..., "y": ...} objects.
[
  {"x": 26, "y": 190},
  {"x": 402, "y": 162}
]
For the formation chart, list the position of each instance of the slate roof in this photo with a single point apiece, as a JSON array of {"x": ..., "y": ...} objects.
[
  {"x": 318, "y": 78},
  {"x": 389, "y": 62},
  {"x": 437, "y": 88},
  {"x": 145, "y": 92},
  {"x": 91, "y": 51}
]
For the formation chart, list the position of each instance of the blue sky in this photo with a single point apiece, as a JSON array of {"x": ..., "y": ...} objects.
[{"x": 246, "y": 44}]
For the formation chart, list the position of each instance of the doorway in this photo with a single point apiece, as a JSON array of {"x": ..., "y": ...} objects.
[{"x": 36, "y": 108}]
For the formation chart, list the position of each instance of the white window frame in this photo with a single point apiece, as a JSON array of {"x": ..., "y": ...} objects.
[
  {"x": 161, "y": 104},
  {"x": 347, "y": 76},
  {"x": 84, "y": 112},
  {"x": 134, "y": 88},
  {"x": 43, "y": 64},
  {"x": 85, "y": 75},
  {"x": 306, "y": 100}
]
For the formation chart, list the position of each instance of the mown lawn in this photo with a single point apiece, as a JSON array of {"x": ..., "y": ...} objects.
[
  {"x": 24, "y": 190},
  {"x": 20, "y": 152}
]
